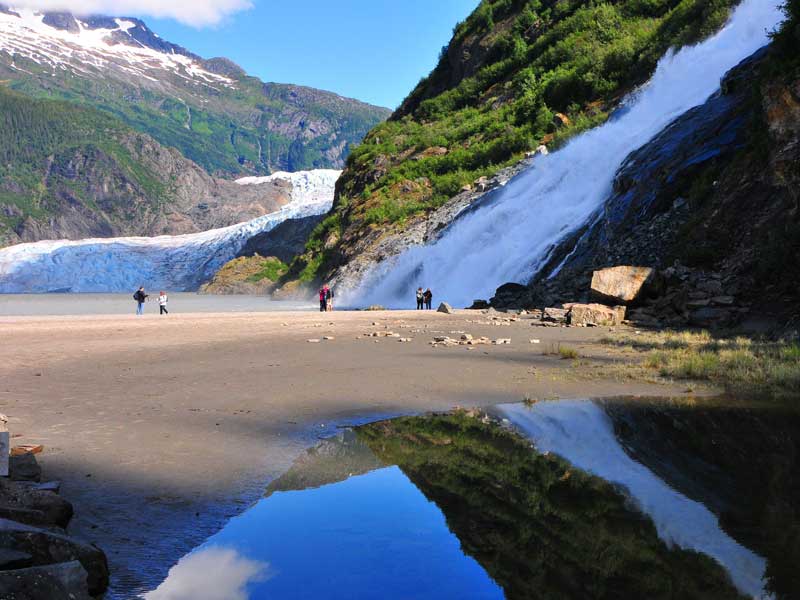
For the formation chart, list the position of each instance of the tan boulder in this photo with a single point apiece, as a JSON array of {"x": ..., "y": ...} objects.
[
  {"x": 595, "y": 314},
  {"x": 620, "y": 285}
]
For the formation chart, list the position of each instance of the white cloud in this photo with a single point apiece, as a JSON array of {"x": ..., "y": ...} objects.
[
  {"x": 213, "y": 573},
  {"x": 197, "y": 13}
]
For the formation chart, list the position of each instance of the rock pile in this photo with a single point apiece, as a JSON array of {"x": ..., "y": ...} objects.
[{"x": 38, "y": 560}]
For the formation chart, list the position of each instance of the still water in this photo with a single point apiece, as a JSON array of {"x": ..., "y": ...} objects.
[
  {"x": 121, "y": 304},
  {"x": 570, "y": 499}
]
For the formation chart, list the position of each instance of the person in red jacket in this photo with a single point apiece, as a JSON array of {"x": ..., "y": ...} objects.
[{"x": 323, "y": 298}]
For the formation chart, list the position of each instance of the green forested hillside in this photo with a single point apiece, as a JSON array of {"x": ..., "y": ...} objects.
[
  {"x": 517, "y": 73},
  {"x": 39, "y": 141}
]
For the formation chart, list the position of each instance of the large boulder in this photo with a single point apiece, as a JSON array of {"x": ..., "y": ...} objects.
[
  {"x": 595, "y": 314},
  {"x": 555, "y": 315},
  {"x": 24, "y": 502},
  {"x": 46, "y": 582},
  {"x": 47, "y": 547},
  {"x": 622, "y": 284}
]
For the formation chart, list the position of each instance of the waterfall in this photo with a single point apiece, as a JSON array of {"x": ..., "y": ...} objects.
[
  {"x": 582, "y": 433},
  {"x": 509, "y": 236}
]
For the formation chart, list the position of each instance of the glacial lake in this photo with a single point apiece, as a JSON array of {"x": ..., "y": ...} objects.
[
  {"x": 566, "y": 499},
  {"x": 121, "y": 304}
]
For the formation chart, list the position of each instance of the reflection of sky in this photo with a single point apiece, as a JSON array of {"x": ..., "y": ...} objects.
[
  {"x": 371, "y": 536},
  {"x": 212, "y": 573}
]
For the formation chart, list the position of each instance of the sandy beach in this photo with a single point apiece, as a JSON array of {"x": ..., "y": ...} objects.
[{"x": 162, "y": 428}]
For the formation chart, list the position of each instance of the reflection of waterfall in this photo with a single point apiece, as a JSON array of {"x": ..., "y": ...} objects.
[
  {"x": 509, "y": 237},
  {"x": 583, "y": 434}
]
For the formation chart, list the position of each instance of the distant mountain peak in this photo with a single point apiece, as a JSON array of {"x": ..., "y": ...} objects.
[{"x": 65, "y": 41}]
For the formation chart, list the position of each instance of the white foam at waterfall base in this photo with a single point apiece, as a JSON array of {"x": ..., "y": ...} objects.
[
  {"x": 176, "y": 263},
  {"x": 582, "y": 433},
  {"x": 508, "y": 238}
]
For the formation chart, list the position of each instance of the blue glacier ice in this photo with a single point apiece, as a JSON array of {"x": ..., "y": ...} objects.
[{"x": 176, "y": 263}]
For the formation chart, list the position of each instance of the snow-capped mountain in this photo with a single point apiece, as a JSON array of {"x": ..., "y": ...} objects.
[
  {"x": 178, "y": 263},
  {"x": 111, "y": 47},
  {"x": 211, "y": 110}
]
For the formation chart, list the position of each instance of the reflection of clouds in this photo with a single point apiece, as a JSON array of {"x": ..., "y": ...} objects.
[{"x": 210, "y": 574}]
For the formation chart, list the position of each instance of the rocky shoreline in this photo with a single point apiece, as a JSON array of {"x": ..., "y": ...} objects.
[{"x": 38, "y": 559}]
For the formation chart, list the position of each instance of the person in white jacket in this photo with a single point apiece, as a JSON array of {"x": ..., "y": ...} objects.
[{"x": 162, "y": 303}]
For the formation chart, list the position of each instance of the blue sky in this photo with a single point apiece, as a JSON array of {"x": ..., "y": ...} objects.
[{"x": 373, "y": 50}]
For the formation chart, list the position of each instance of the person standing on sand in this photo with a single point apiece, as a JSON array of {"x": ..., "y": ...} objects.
[
  {"x": 428, "y": 295},
  {"x": 140, "y": 297},
  {"x": 323, "y": 298},
  {"x": 420, "y": 298},
  {"x": 162, "y": 303},
  {"x": 329, "y": 299}
]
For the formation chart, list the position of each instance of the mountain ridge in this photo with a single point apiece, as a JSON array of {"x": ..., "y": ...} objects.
[{"x": 218, "y": 116}]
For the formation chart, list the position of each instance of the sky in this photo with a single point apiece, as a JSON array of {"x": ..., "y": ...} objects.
[{"x": 372, "y": 50}]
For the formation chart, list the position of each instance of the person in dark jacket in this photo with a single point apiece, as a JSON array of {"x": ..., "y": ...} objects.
[
  {"x": 420, "y": 298},
  {"x": 329, "y": 299},
  {"x": 428, "y": 295},
  {"x": 140, "y": 298}
]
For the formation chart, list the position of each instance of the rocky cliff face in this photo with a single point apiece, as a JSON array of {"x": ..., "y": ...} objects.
[
  {"x": 71, "y": 173},
  {"x": 712, "y": 202}
]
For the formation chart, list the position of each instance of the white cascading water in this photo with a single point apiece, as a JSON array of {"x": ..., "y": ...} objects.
[
  {"x": 582, "y": 433},
  {"x": 176, "y": 262},
  {"x": 508, "y": 238}
]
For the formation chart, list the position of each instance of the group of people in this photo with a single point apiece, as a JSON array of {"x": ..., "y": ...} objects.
[
  {"x": 325, "y": 299},
  {"x": 424, "y": 299},
  {"x": 141, "y": 297}
]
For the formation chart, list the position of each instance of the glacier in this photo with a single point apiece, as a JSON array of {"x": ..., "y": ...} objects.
[
  {"x": 176, "y": 263},
  {"x": 509, "y": 235}
]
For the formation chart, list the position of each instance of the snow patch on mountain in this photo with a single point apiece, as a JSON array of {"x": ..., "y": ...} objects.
[
  {"x": 307, "y": 186},
  {"x": 81, "y": 45},
  {"x": 177, "y": 263}
]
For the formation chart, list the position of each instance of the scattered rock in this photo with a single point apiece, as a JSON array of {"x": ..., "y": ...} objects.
[
  {"x": 466, "y": 337},
  {"x": 375, "y": 307},
  {"x": 502, "y": 342},
  {"x": 534, "y": 341},
  {"x": 479, "y": 305},
  {"x": 313, "y": 341},
  {"x": 554, "y": 315},
  {"x": 445, "y": 308},
  {"x": 328, "y": 337},
  {"x": 27, "y": 448},
  {"x": 723, "y": 300}
]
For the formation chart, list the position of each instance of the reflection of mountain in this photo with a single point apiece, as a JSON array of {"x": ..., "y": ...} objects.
[
  {"x": 539, "y": 528},
  {"x": 332, "y": 460},
  {"x": 743, "y": 461}
]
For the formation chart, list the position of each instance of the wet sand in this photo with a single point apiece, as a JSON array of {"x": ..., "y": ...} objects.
[{"x": 162, "y": 428}]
